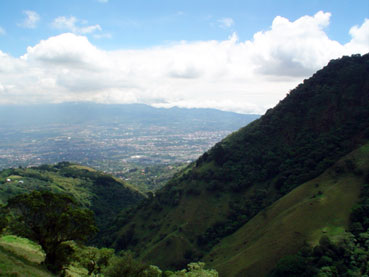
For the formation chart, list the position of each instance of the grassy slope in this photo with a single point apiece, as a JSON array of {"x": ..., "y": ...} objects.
[
  {"x": 20, "y": 257},
  {"x": 303, "y": 215},
  {"x": 190, "y": 220}
]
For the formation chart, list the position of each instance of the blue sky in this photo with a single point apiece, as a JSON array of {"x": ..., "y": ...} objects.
[
  {"x": 135, "y": 37},
  {"x": 145, "y": 23}
]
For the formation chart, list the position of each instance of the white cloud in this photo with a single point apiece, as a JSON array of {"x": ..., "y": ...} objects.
[
  {"x": 226, "y": 22},
  {"x": 2, "y": 31},
  {"x": 294, "y": 48},
  {"x": 242, "y": 76},
  {"x": 360, "y": 38},
  {"x": 70, "y": 24},
  {"x": 31, "y": 20},
  {"x": 67, "y": 51}
]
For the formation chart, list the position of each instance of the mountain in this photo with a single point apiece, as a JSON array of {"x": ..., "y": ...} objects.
[
  {"x": 221, "y": 194},
  {"x": 105, "y": 195}
]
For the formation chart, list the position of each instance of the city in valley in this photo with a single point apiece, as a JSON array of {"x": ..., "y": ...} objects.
[{"x": 144, "y": 153}]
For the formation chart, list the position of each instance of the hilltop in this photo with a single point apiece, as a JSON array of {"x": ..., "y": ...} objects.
[{"x": 308, "y": 132}]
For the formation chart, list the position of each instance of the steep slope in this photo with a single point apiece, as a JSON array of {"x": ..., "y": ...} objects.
[
  {"x": 319, "y": 122},
  {"x": 321, "y": 206},
  {"x": 102, "y": 193}
]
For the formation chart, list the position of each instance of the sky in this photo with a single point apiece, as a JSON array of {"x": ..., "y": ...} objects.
[{"x": 235, "y": 55}]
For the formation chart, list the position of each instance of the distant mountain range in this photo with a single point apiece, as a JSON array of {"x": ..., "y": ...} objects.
[{"x": 92, "y": 113}]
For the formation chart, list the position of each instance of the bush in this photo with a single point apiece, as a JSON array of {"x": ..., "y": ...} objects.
[
  {"x": 126, "y": 266},
  {"x": 292, "y": 265}
]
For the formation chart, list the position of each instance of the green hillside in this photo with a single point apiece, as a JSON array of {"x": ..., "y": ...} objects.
[
  {"x": 21, "y": 257},
  {"x": 321, "y": 206},
  {"x": 319, "y": 122},
  {"x": 102, "y": 193}
]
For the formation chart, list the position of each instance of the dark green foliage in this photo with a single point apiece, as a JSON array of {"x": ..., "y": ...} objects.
[
  {"x": 360, "y": 215},
  {"x": 125, "y": 266},
  {"x": 51, "y": 220},
  {"x": 3, "y": 218},
  {"x": 289, "y": 266},
  {"x": 342, "y": 259},
  {"x": 95, "y": 260},
  {"x": 240, "y": 212}
]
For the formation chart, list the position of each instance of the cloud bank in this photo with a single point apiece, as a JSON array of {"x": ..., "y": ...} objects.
[{"x": 243, "y": 76}]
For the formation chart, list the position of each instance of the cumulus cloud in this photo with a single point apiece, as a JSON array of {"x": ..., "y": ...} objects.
[
  {"x": 66, "y": 50},
  {"x": 294, "y": 48},
  {"x": 70, "y": 24},
  {"x": 360, "y": 38},
  {"x": 31, "y": 20},
  {"x": 226, "y": 22},
  {"x": 243, "y": 76}
]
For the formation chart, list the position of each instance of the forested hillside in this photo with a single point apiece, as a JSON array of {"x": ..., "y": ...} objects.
[
  {"x": 319, "y": 122},
  {"x": 102, "y": 193}
]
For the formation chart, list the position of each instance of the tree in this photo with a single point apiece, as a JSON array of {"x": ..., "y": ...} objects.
[
  {"x": 196, "y": 270},
  {"x": 94, "y": 259},
  {"x": 51, "y": 220},
  {"x": 291, "y": 265},
  {"x": 3, "y": 219}
]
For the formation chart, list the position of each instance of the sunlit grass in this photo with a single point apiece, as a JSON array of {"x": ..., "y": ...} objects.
[{"x": 21, "y": 257}]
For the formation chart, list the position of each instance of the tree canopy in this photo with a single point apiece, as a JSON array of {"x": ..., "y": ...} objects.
[{"x": 51, "y": 219}]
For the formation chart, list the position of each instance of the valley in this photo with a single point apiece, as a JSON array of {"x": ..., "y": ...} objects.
[
  {"x": 138, "y": 143},
  {"x": 104, "y": 147}
]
